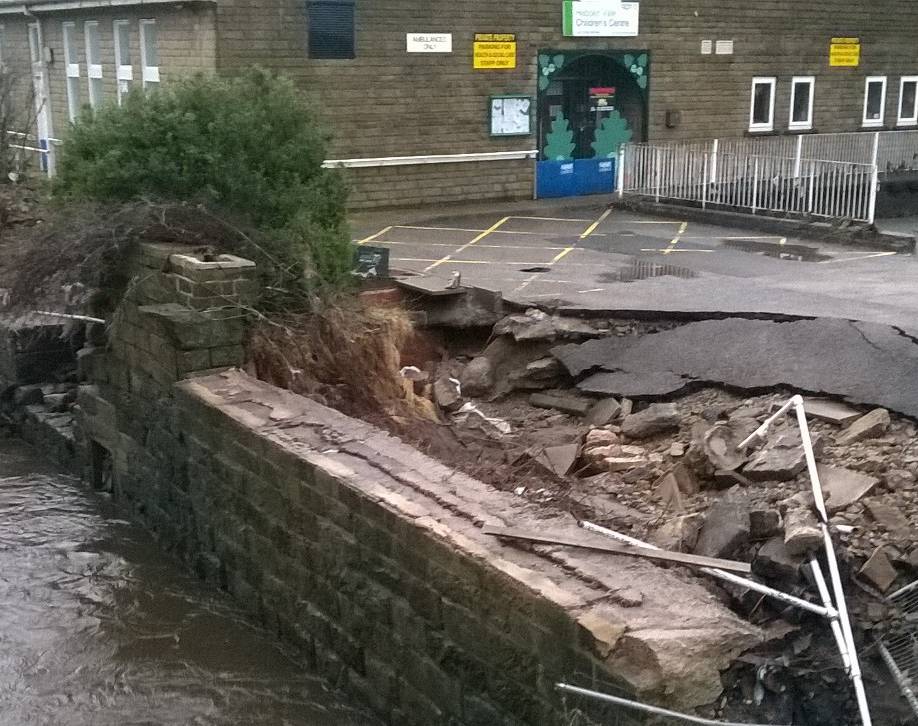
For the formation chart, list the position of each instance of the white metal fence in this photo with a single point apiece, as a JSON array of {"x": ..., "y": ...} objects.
[{"x": 782, "y": 185}]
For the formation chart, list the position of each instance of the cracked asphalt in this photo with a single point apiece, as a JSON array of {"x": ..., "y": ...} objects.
[{"x": 582, "y": 256}]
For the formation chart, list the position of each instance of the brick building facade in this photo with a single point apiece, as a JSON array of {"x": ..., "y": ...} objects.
[{"x": 399, "y": 79}]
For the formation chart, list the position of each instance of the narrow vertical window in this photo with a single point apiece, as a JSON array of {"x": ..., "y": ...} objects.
[
  {"x": 35, "y": 44},
  {"x": 73, "y": 71},
  {"x": 149, "y": 53},
  {"x": 331, "y": 28},
  {"x": 762, "y": 105},
  {"x": 801, "y": 105},
  {"x": 93, "y": 62},
  {"x": 908, "y": 101},
  {"x": 2, "y": 46},
  {"x": 874, "y": 101},
  {"x": 124, "y": 69}
]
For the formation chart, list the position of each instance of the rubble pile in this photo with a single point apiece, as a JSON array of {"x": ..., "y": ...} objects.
[{"x": 671, "y": 471}]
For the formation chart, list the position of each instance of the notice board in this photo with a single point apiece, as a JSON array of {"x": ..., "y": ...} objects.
[
  {"x": 494, "y": 51},
  {"x": 845, "y": 52}
]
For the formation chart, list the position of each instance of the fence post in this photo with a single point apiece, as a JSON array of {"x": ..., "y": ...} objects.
[
  {"x": 874, "y": 180},
  {"x": 755, "y": 187},
  {"x": 798, "y": 157},
  {"x": 656, "y": 173},
  {"x": 704, "y": 187},
  {"x": 714, "y": 149},
  {"x": 621, "y": 171}
]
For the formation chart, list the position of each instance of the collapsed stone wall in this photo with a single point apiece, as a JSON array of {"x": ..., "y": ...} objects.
[{"x": 364, "y": 553}]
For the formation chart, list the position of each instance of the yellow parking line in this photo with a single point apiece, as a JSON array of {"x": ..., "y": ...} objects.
[
  {"x": 402, "y": 243},
  {"x": 675, "y": 240},
  {"x": 374, "y": 236},
  {"x": 671, "y": 250},
  {"x": 592, "y": 228},
  {"x": 651, "y": 221},
  {"x": 464, "y": 247},
  {"x": 553, "y": 219}
]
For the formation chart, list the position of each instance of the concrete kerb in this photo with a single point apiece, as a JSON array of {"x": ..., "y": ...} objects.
[{"x": 856, "y": 236}]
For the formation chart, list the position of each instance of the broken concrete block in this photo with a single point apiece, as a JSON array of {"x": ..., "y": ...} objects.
[
  {"x": 599, "y": 437},
  {"x": 624, "y": 463},
  {"x": 802, "y": 533},
  {"x": 603, "y": 412},
  {"x": 726, "y": 530},
  {"x": 559, "y": 460},
  {"x": 627, "y": 407},
  {"x": 560, "y": 402},
  {"x": 544, "y": 368},
  {"x": 532, "y": 325},
  {"x": 843, "y": 487},
  {"x": 447, "y": 393},
  {"x": 478, "y": 377},
  {"x": 655, "y": 419},
  {"x": 831, "y": 411},
  {"x": 889, "y": 517},
  {"x": 764, "y": 523},
  {"x": 676, "y": 450},
  {"x": 679, "y": 534},
  {"x": 775, "y": 561},
  {"x": 725, "y": 479},
  {"x": 57, "y": 402},
  {"x": 718, "y": 445},
  {"x": 781, "y": 458},
  {"x": 680, "y": 478},
  {"x": 670, "y": 495},
  {"x": 27, "y": 395},
  {"x": 868, "y": 426},
  {"x": 628, "y": 598},
  {"x": 878, "y": 570}
]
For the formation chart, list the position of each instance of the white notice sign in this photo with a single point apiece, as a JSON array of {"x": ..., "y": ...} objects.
[
  {"x": 429, "y": 42},
  {"x": 601, "y": 18}
]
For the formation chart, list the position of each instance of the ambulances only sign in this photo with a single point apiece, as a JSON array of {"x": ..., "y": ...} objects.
[{"x": 601, "y": 18}]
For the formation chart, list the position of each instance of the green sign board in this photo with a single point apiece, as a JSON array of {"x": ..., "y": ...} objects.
[{"x": 600, "y": 18}]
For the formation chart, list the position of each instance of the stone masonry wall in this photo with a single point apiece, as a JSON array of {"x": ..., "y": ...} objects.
[{"x": 367, "y": 555}]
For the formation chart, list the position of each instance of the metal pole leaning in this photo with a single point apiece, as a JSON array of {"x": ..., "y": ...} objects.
[
  {"x": 833, "y": 622},
  {"x": 646, "y": 708},
  {"x": 826, "y": 612}
]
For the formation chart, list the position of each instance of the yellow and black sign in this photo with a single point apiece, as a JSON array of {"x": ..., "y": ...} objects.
[
  {"x": 494, "y": 51},
  {"x": 845, "y": 52}
]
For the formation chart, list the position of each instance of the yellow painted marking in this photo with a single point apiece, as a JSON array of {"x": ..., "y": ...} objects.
[
  {"x": 464, "y": 247},
  {"x": 519, "y": 263},
  {"x": 782, "y": 241},
  {"x": 467, "y": 229},
  {"x": 374, "y": 236},
  {"x": 561, "y": 255},
  {"x": 860, "y": 257},
  {"x": 553, "y": 219},
  {"x": 418, "y": 243},
  {"x": 652, "y": 221},
  {"x": 675, "y": 240},
  {"x": 592, "y": 228}
]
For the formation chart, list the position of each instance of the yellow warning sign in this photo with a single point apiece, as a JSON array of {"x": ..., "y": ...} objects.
[
  {"x": 494, "y": 51},
  {"x": 845, "y": 52}
]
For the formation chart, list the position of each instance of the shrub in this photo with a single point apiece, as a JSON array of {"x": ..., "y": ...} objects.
[{"x": 247, "y": 146}]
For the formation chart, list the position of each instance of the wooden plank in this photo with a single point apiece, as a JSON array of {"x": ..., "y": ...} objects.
[{"x": 614, "y": 548}]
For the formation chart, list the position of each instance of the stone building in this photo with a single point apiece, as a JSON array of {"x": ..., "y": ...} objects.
[{"x": 442, "y": 100}]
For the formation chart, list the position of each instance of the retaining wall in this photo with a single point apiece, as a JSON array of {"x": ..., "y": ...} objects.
[{"x": 369, "y": 557}]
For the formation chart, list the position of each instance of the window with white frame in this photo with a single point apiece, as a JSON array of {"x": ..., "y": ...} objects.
[
  {"x": 762, "y": 105},
  {"x": 124, "y": 68},
  {"x": 149, "y": 53},
  {"x": 93, "y": 62},
  {"x": 874, "y": 101},
  {"x": 908, "y": 101},
  {"x": 72, "y": 61},
  {"x": 801, "y": 103},
  {"x": 34, "y": 44}
]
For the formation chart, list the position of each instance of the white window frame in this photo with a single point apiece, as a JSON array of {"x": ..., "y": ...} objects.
[
  {"x": 68, "y": 30},
  {"x": 911, "y": 120},
  {"x": 150, "y": 74},
  {"x": 93, "y": 70},
  {"x": 801, "y": 125},
  {"x": 124, "y": 73},
  {"x": 770, "y": 125},
  {"x": 874, "y": 122}
]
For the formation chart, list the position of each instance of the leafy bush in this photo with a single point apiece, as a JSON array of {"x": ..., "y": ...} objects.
[{"x": 247, "y": 146}]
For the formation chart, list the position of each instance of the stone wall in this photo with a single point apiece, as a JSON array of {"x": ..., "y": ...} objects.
[{"x": 368, "y": 556}]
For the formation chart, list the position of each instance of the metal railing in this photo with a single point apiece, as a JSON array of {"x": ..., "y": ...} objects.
[
  {"x": 728, "y": 176},
  {"x": 46, "y": 149}
]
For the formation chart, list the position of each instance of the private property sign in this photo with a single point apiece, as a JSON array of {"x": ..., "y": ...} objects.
[{"x": 601, "y": 18}]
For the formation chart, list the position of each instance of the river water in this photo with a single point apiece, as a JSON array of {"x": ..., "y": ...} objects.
[{"x": 98, "y": 628}]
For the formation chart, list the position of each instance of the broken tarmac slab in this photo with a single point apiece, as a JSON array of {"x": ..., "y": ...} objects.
[
  {"x": 843, "y": 487},
  {"x": 862, "y": 363}
]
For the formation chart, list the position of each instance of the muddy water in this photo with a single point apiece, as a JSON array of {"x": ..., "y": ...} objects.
[{"x": 96, "y": 627}]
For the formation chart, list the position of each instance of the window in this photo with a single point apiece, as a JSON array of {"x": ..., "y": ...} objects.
[
  {"x": 34, "y": 44},
  {"x": 93, "y": 62},
  {"x": 2, "y": 45},
  {"x": 73, "y": 71},
  {"x": 124, "y": 70},
  {"x": 908, "y": 101},
  {"x": 331, "y": 28},
  {"x": 762, "y": 107},
  {"x": 874, "y": 101},
  {"x": 149, "y": 53},
  {"x": 801, "y": 104}
]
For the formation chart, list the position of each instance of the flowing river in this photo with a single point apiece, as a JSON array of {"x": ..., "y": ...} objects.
[{"x": 98, "y": 627}]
